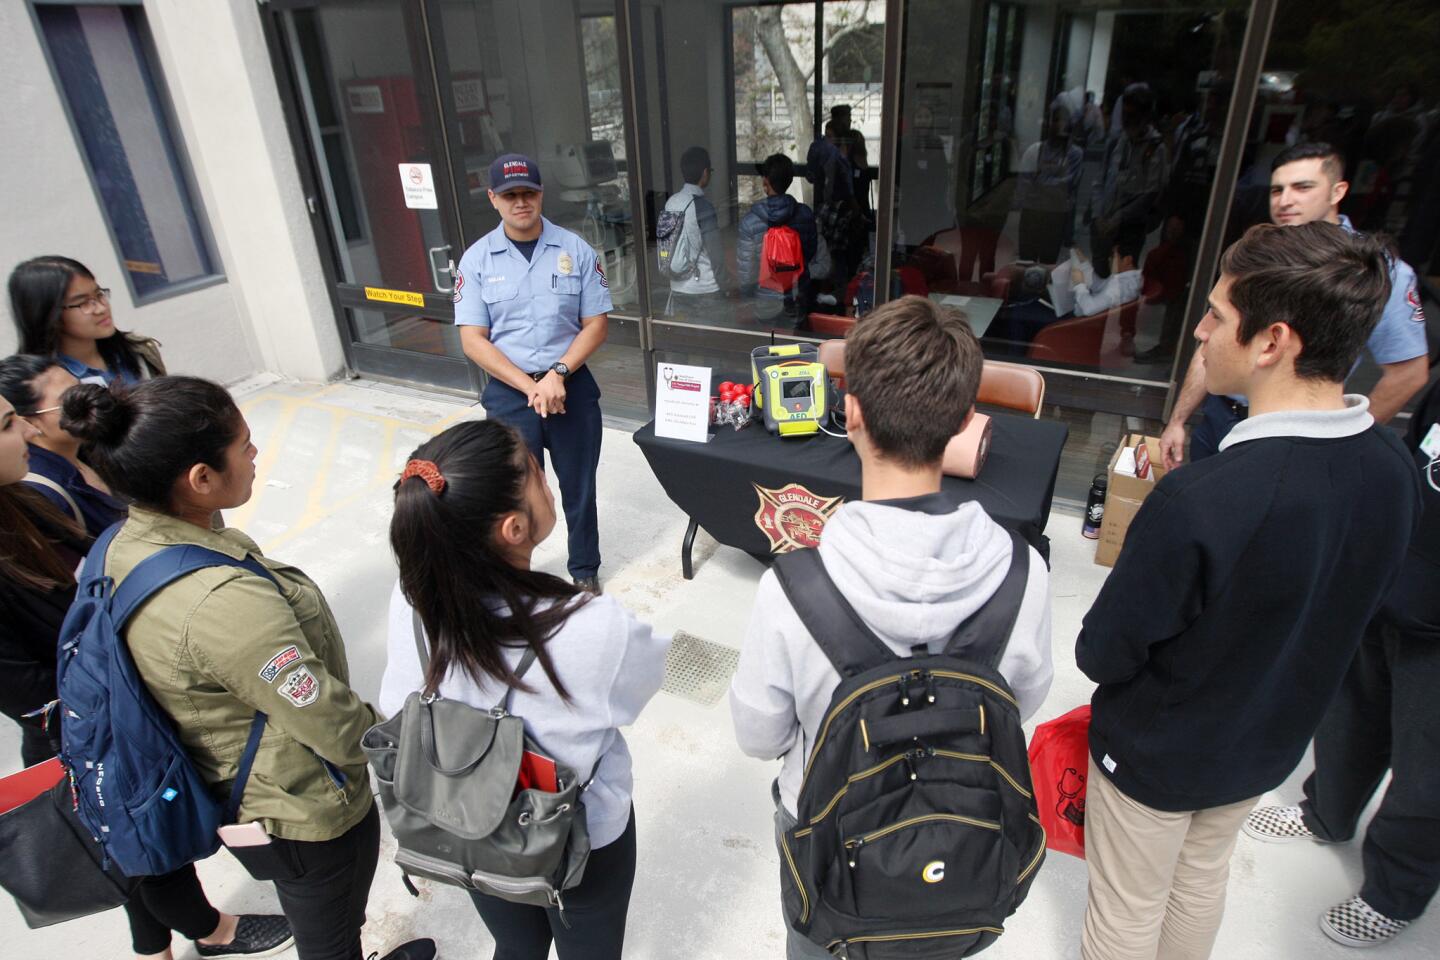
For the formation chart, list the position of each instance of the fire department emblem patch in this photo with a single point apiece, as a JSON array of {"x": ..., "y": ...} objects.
[{"x": 792, "y": 517}]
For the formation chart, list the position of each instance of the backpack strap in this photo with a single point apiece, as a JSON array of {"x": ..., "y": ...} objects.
[
  {"x": 41, "y": 480},
  {"x": 423, "y": 647},
  {"x": 851, "y": 646},
  {"x": 526, "y": 659},
  {"x": 985, "y": 634},
  {"x": 153, "y": 574}
]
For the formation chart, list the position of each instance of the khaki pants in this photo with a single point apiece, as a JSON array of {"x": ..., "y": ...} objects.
[{"x": 1157, "y": 879}]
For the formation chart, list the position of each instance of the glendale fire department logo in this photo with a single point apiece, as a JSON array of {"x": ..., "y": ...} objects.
[{"x": 793, "y": 517}]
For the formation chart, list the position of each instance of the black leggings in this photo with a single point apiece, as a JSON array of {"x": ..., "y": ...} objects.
[
  {"x": 595, "y": 911},
  {"x": 174, "y": 901}
]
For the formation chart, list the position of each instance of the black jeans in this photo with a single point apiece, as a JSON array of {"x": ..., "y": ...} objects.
[
  {"x": 174, "y": 901},
  {"x": 1385, "y": 717},
  {"x": 595, "y": 911},
  {"x": 323, "y": 886}
]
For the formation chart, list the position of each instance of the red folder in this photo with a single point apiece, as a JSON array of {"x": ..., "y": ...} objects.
[
  {"x": 537, "y": 773},
  {"x": 20, "y": 788}
]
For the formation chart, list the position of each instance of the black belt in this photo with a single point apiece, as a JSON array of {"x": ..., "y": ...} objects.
[{"x": 540, "y": 375}]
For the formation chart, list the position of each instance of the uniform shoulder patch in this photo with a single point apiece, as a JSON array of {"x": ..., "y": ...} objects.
[
  {"x": 459, "y": 286},
  {"x": 301, "y": 687},
  {"x": 1412, "y": 297},
  {"x": 604, "y": 281},
  {"x": 279, "y": 662}
]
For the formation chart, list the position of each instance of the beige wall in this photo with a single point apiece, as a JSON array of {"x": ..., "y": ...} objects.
[{"x": 271, "y": 312}]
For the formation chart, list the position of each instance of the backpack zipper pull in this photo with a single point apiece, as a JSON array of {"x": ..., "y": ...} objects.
[
  {"x": 855, "y": 851},
  {"x": 929, "y": 687},
  {"x": 905, "y": 690},
  {"x": 910, "y": 763}
]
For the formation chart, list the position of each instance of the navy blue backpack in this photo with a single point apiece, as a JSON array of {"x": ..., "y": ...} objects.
[{"x": 132, "y": 780}]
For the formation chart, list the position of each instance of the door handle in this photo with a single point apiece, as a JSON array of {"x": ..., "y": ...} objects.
[{"x": 435, "y": 273}]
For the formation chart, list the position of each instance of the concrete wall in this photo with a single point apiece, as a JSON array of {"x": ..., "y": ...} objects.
[{"x": 272, "y": 311}]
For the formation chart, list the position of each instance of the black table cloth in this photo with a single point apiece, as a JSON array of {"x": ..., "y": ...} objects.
[{"x": 762, "y": 494}]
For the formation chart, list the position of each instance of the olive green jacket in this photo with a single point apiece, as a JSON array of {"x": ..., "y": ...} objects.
[{"x": 220, "y": 643}]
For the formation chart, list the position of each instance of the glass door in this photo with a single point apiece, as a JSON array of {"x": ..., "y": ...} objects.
[{"x": 365, "y": 83}]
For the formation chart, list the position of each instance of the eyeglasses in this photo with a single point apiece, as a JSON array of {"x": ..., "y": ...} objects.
[{"x": 89, "y": 304}]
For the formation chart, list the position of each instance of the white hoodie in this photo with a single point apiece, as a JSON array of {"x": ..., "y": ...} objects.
[{"x": 913, "y": 570}]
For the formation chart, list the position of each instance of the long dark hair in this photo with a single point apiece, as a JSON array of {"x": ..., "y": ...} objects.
[
  {"x": 31, "y": 529},
  {"x": 473, "y": 603},
  {"x": 37, "y": 298},
  {"x": 141, "y": 439}
]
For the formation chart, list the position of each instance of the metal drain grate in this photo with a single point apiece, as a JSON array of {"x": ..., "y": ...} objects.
[{"x": 697, "y": 669}]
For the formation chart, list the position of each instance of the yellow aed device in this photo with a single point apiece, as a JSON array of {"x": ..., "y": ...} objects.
[{"x": 792, "y": 391}]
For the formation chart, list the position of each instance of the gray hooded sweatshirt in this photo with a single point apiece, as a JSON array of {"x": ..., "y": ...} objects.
[{"x": 913, "y": 570}]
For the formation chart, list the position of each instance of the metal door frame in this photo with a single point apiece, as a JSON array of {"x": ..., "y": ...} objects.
[{"x": 452, "y": 374}]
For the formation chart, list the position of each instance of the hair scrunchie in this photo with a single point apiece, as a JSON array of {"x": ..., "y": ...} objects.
[{"x": 427, "y": 471}]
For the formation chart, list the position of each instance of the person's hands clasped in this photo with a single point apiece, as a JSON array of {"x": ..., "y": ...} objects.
[
  {"x": 548, "y": 395},
  {"x": 1172, "y": 445},
  {"x": 1076, "y": 276}
]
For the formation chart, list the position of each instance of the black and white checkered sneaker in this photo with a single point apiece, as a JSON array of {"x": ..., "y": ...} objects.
[
  {"x": 1357, "y": 924},
  {"x": 1277, "y": 825}
]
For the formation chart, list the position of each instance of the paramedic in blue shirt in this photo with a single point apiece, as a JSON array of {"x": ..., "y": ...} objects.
[
  {"x": 1306, "y": 184},
  {"x": 532, "y": 304}
]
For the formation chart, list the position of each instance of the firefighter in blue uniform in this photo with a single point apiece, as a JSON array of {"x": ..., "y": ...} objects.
[{"x": 532, "y": 304}]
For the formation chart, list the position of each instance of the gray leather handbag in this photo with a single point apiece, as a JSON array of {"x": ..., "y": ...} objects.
[{"x": 447, "y": 773}]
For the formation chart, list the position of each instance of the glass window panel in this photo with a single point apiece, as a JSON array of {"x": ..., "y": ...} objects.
[
  {"x": 553, "y": 94},
  {"x": 110, "y": 83},
  {"x": 1072, "y": 137},
  {"x": 729, "y": 86},
  {"x": 1369, "y": 86}
]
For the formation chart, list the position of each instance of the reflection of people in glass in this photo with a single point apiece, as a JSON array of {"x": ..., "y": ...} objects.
[
  {"x": 777, "y": 210},
  {"x": 841, "y": 226},
  {"x": 1306, "y": 184},
  {"x": 1132, "y": 175},
  {"x": 1049, "y": 176},
  {"x": 698, "y": 254}
]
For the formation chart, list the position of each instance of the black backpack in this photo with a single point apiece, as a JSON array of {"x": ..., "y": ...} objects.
[{"x": 917, "y": 831}]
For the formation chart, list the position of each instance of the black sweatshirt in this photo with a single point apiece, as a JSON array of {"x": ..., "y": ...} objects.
[{"x": 1238, "y": 602}]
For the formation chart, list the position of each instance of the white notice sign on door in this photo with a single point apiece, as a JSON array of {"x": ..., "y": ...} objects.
[
  {"x": 419, "y": 186},
  {"x": 682, "y": 402}
]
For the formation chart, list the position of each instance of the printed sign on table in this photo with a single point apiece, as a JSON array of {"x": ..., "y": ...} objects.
[{"x": 682, "y": 402}]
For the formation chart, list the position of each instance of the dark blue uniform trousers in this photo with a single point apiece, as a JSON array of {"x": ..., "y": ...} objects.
[
  {"x": 573, "y": 439},
  {"x": 1218, "y": 418}
]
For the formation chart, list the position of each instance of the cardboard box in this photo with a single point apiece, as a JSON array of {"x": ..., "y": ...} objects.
[{"x": 1123, "y": 497}]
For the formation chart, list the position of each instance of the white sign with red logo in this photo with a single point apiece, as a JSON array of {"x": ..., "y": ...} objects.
[
  {"x": 682, "y": 402},
  {"x": 419, "y": 186}
]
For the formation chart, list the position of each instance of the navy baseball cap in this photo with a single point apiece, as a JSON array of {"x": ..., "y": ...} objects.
[{"x": 514, "y": 171}]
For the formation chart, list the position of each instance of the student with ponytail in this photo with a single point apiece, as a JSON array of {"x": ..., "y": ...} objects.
[
  {"x": 221, "y": 643},
  {"x": 39, "y": 550},
  {"x": 470, "y": 509}
]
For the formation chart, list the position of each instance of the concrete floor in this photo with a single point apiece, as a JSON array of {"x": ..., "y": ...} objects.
[{"x": 708, "y": 884}]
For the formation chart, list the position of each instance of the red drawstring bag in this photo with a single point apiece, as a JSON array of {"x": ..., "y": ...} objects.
[{"x": 1059, "y": 759}]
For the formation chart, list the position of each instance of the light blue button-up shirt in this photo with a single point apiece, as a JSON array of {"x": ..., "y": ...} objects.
[
  {"x": 88, "y": 374},
  {"x": 533, "y": 308}
]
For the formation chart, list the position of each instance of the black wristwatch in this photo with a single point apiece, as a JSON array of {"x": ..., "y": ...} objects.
[{"x": 559, "y": 367}]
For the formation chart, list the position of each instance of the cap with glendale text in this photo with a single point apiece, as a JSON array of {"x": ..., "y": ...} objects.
[{"x": 514, "y": 171}]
